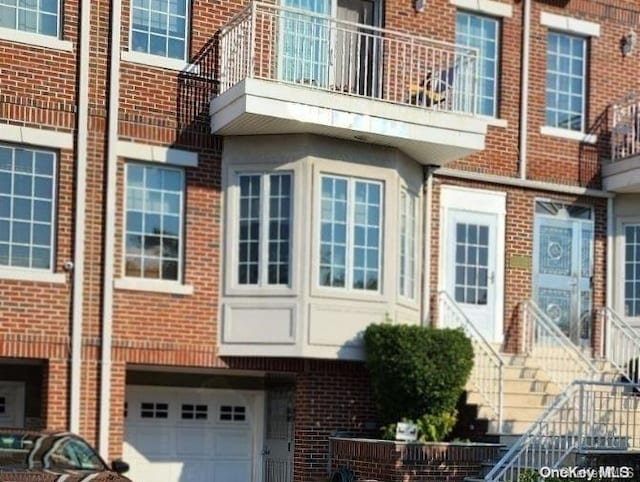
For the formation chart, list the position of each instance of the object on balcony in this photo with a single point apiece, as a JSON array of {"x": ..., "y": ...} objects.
[{"x": 432, "y": 91}]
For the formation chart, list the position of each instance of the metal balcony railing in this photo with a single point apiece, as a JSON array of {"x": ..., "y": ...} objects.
[
  {"x": 324, "y": 53},
  {"x": 625, "y": 134}
]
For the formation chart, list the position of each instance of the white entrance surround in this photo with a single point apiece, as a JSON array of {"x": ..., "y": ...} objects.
[
  {"x": 12, "y": 404},
  {"x": 177, "y": 434},
  {"x": 458, "y": 201}
]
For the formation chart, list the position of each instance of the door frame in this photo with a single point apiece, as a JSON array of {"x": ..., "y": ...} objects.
[
  {"x": 481, "y": 201},
  {"x": 576, "y": 225},
  {"x": 378, "y": 12}
]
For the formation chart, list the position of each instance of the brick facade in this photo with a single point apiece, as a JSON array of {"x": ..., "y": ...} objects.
[{"x": 39, "y": 88}]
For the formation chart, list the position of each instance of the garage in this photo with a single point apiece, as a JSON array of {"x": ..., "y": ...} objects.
[{"x": 193, "y": 434}]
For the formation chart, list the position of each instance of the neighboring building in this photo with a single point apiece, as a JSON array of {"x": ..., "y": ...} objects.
[{"x": 241, "y": 194}]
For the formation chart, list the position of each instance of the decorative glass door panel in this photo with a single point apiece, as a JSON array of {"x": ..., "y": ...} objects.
[
  {"x": 278, "y": 443},
  {"x": 563, "y": 261}
]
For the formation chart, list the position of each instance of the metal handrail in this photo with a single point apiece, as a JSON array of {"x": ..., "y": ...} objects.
[
  {"x": 289, "y": 45},
  {"x": 488, "y": 370},
  {"x": 588, "y": 415},
  {"x": 561, "y": 359},
  {"x": 622, "y": 344}
]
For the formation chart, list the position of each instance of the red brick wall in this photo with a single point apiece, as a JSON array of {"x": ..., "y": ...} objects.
[{"x": 38, "y": 88}]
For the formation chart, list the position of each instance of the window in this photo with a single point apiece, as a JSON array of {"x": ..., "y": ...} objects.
[
  {"x": 480, "y": 32},
  {"x": 154, "y": 209},
  {"x": 264, "y": 238},
  {"x": 73, "y": 454},
  {"x": 632, "y": 269},
  {"x": 154, "y": 410},
  {"x": 194, "y": 412},
  {"x": 159, "y": 27},
  {"x": 407, "y": 245},
  {"x": 34, "y": 16},
  {"x": 350, "y": 234},
  {"x": 566, "y": 73},
  {"x": 232, "y": 413},
  {"x": 27, "y": 186},
  {"x": 472, "y": 263}
]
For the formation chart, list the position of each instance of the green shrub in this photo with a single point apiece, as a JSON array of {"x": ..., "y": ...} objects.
[{"x": 417, "y": 371}]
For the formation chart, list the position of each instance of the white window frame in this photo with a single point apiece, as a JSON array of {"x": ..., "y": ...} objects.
[
  {"x": 263, "y": 237},
  {"x": 497, "y": 60},
  {"x": 623, "y": 222},
  {"x": 349, "y": 266},
  {"x": 38, "y": 11},
  {"x": 22, "y": 272},
  {"x": 410, "y": 249},
  {"x": 154, "y": 284},
  {"x": 585, "y": 53},
  {"x": 149, "y": 58}
]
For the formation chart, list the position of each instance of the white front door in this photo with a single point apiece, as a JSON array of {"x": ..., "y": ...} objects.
[
  {"x": 471, "y": 270},
  {"x": 472, "y": 245},
  {"x": 12, "y": 404}
]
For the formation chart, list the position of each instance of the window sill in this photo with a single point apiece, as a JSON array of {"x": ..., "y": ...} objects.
[
  {"x": 239, "y": 290},
  {"x": 494, "y": 121},
  {"x": 35, "y": 39},
  {"x": 569, "y": 134},
  {"x": 38, "y": 276},
  {"x": 153, "y": 286},
  {"x": 157, "y": 61}
]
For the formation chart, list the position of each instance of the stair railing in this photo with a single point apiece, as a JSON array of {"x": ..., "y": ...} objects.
[
  {"x": 622, "y": 345},
  {"x": 557, "y": 355},
  {"x": 488, "y": 367},
  {"x": 588, "y": 415}
]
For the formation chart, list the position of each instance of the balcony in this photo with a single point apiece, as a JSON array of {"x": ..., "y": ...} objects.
[
  {"x": 286, "y": 71},
  {"x": 622, "y": 174}
]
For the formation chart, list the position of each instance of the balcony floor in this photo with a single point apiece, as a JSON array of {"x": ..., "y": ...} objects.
[
  {"x": 255, "y": 106},
  {"x": 622, "y": 176}
]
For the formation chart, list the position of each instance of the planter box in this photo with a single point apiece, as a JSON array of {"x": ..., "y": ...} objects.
[{"x": 388, "y": 461}]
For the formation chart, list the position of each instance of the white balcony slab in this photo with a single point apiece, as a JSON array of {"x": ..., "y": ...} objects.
[
  {"x": 256, "y": 106},
  {"x": 622, "y": 176}
]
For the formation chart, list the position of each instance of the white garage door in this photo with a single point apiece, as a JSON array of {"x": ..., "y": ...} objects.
[{"x": 192, "y": 435}]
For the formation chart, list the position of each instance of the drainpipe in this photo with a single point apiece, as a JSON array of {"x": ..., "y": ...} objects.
[
  {"x": 426, "y": 248},
  {"x": 524, "y": 82},
  {"x": 110, "y": 228},
  {"x": 75, "y": 382},
  {"x": 609, "y": 271}
]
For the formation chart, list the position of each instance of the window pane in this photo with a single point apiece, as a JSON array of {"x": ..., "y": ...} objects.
[
  {"x": 481, "y": 32},
  {"x": 368, "y": 203},
  {"x": 632, "y": 270},
  {"x": 565, "y": 81},
  {"x": 160, "y": 27},
  {"x": 333, "y": 218},
  {"x": 407, "y": 244},
  {"x": 153, "y": 222},
  {"x": 249, "y": 228},
  {"x": 26, "y": 221},
  {"x": 279, "y": 227}
]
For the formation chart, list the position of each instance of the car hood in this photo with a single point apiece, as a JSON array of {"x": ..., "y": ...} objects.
[{"x": 48, "y": 475}]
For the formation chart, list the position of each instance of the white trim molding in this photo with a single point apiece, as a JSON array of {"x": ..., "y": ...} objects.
[
  {"x": 495, "y": 121},
  {"x": 490, "y": 7},
  {"x": 36, "y": 137},
  {"x": 38, "y": 276},
  {"x": 569, "y": 134},
  {"x": 570, "y": 24},
  {"x": 35, "y": 39},
  {"x": 157, "y": 61},
  {"x": 152, "y": 285},
  {"x": 151, "y": 153}
]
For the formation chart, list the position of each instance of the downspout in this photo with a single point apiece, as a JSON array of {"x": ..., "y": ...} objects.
[
  {"x": 524, "y": 83},
  {"x": 426, "y": 250},
  {"x": 110, "y": 228},
  {"x": 609, "y": 272},
  {"x": 75, "y": 382}
]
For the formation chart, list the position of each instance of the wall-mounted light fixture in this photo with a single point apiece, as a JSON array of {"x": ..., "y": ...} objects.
[
  {"x": 419, "y": 5},
  {"x": 628, "y": 43}
]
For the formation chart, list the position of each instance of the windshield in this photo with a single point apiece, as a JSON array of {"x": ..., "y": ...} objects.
[{"x": 64, "y": 452}]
